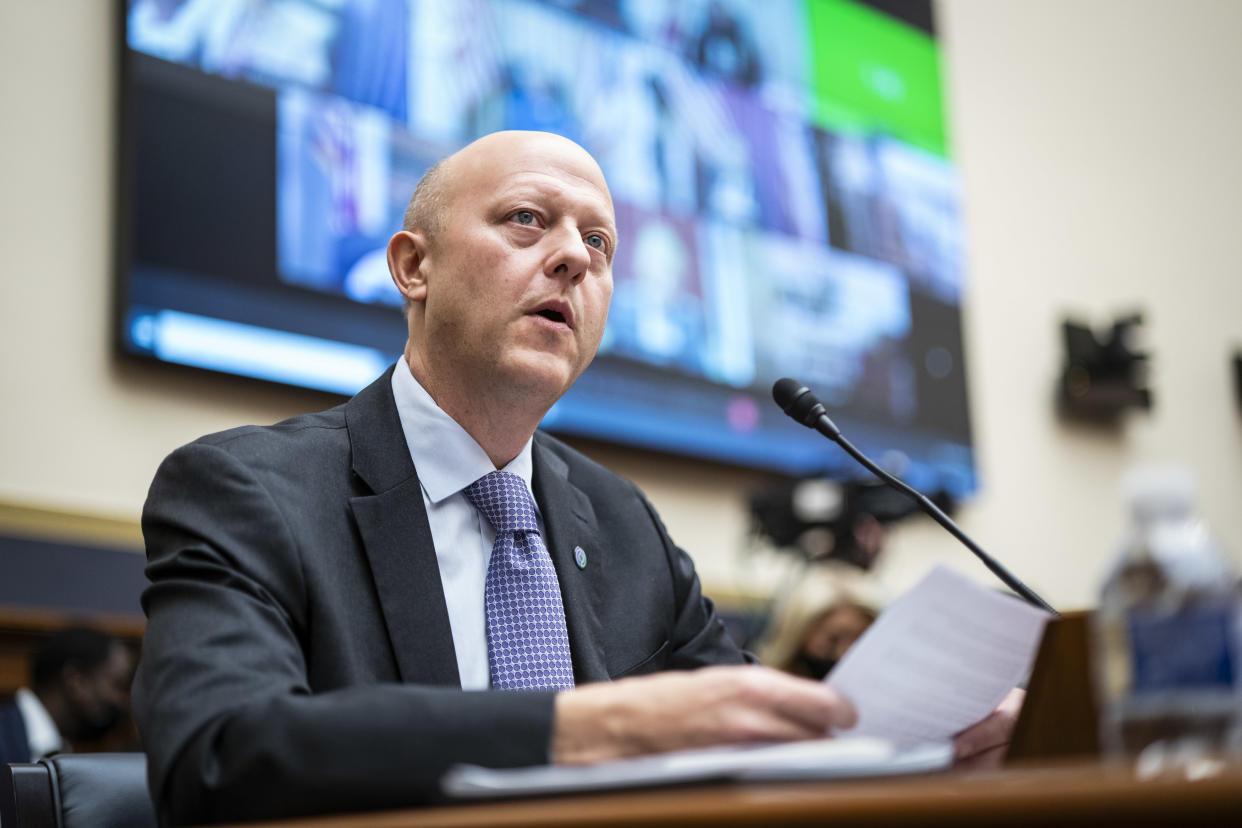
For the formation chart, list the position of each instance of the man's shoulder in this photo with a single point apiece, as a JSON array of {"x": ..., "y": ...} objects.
[
  {"x": 323, "y": 439},
  {"x": 289, "y": 448},
  {"x": 304, "y": 428}
]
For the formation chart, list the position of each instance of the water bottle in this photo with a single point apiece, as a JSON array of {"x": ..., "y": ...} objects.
[{"x": 1168, "y": 631}]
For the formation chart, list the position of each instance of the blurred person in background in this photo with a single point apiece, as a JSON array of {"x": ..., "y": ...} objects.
[
  {"x": 79, "y": 692},
  {"x": 821, "y": 618}
]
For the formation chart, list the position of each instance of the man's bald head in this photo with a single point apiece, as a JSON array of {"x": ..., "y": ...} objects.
[{"x": 433, "y": 197}]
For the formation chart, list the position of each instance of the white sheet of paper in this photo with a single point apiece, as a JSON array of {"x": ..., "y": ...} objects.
[{"x": 939, "y": 659}]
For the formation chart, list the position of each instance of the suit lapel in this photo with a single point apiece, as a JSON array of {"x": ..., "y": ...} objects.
[
  {"x": 393, "y": 525},
  {"x": 569, "y": 522}
]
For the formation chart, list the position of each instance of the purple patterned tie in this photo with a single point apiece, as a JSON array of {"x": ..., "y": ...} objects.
[{"x": 527, "y": 645}]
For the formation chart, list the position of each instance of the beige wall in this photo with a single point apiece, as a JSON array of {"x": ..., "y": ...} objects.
[
  {"x": 1098, "y": 146},
  {"x": 1099, "y": 149}
]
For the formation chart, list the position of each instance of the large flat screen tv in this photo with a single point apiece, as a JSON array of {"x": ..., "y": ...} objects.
[{"x": 780, "y": 170}]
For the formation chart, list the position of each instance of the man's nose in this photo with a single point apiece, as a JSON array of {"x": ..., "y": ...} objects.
[{"x": 570, "y": 257}]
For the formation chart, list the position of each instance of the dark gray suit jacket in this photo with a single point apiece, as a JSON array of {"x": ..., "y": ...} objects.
[
  {"x": 298, "y": 657},
  {"x": 14, "y": 741}
]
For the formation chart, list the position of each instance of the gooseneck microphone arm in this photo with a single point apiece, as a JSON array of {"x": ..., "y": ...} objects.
[{"x": 796, "y": 400}]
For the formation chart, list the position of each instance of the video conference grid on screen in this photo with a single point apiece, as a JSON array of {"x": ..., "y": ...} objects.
[{"x": 779, "y": 169}]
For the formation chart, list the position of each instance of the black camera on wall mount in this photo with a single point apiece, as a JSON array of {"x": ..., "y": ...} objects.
[{"x": 1102, "y": 377}]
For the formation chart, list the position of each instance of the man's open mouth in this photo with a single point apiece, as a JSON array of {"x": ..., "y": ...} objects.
[{"x": 555, "y": 311}]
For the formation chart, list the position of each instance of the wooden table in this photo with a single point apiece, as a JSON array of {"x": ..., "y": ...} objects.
[{"x": 1066, "y": 794}]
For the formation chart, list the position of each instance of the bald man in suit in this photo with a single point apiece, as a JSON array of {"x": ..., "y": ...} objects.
[{"x": 318, "y": 636}]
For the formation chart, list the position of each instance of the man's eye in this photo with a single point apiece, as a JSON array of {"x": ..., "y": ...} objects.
[
  {"x": 597, "y": 241},
  {"x": 524, "y": 217}
]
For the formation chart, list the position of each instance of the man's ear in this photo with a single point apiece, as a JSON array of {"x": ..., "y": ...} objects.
[{"x": 406, "y": 253}]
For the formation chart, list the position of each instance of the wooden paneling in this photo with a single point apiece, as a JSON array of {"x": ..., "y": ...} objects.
[{"x": 1060, "y": 718}]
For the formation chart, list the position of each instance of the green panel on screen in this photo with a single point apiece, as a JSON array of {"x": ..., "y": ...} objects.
[{"x": 872, "y": 73}]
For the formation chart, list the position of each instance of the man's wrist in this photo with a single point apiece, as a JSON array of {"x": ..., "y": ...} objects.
[{"x": 588, "y": 726}]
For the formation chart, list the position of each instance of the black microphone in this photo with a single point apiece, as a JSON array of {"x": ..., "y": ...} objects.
[{"x": 796, "y": 400}]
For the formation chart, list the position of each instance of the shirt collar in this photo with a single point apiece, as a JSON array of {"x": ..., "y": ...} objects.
[
  {"x": 41, "y": 731},
  {"x": 445, "y": 456}
]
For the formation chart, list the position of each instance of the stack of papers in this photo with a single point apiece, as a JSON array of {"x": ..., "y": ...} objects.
[
  {"x": 938, "y": 660},
  {"x": 819, "y": 759}
]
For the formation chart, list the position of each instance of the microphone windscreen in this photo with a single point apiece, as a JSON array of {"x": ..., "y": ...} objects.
[
  {"x": 796, "y": 400},
  {"x": 785, "y": 391}
]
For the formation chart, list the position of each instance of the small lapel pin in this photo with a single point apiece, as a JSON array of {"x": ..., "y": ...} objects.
[{"x": 580, "y": 557}]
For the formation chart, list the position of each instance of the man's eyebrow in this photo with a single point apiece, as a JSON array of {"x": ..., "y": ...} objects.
[
  {"x": 605, "y": 222},
  {"x": 596, "y": 216}
]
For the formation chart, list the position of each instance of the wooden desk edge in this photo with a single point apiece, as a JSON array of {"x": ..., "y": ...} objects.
[{"x": 1066, "y": 794}]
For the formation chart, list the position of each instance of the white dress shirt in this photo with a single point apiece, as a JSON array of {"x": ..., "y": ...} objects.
[
  {"x": 41, "y": 732},
  {"x": 448, "y": 460}
]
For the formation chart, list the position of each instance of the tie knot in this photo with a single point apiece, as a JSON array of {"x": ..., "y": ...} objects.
[{"x": 505, "y": 501}]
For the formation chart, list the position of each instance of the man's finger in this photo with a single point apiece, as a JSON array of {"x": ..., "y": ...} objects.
[
  {"x": 817, "y": 706},
  {"x": 992, "y": 733}
]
